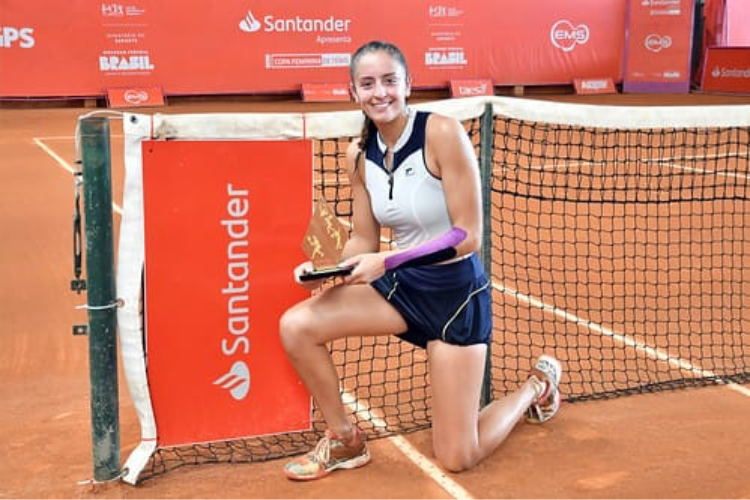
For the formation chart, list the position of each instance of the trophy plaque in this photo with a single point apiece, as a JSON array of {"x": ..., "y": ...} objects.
[{"x": 323, "y": 243}]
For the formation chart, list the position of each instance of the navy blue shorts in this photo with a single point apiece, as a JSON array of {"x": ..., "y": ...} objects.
[{"x": 448, "y": 302}]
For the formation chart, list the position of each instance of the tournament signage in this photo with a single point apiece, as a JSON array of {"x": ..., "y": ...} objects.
[
  {"x": 658, "y": 46},
  {"x": 220, "y": 249},
  {"x": 726, "y": 69},
  {"x": 264, "y": 46}
]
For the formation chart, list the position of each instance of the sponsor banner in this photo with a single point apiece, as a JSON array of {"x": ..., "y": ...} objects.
[
  {"x": 659, "y": 45},
  {"x": 223, "y": 223},
  {"x": 135, "y": 97},
  {"x": 726, "y": 69},
  {"x": 594, "y": 86},
  {"x": 325, "y": 92},
  {"x": 193, "y": 47},
  {"x": 469, "y": 88}
]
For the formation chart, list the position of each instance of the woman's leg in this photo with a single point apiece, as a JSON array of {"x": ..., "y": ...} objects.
[
  {"x": 462, "y": 434},
  {"x": 337, "y": 312}
]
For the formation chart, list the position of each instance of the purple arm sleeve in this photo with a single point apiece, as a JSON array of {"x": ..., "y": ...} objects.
[{"x": 437, "y": 250}]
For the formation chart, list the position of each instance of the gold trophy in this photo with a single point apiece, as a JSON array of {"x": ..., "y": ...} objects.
[{"x": 323, "y": 243}]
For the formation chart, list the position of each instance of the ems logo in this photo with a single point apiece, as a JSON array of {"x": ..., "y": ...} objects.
[
  {"x": 565, "y": 36},
  {"x": 655, "y": 43},
  {"x": 135, "y": 96}
]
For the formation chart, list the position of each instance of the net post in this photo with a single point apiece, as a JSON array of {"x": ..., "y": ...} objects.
[
  {"x": 486, "y": 145},
  {"x": 102, "y": 304}
]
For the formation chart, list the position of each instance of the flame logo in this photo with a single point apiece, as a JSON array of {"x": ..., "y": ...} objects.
[
  {"x": 249, "y": 24},
  {"x": 236, "y": 381}
]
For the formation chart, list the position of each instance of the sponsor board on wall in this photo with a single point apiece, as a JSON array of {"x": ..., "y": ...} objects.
[
  {"x": 125, "y": 48},
  {"x": 199, "y": 47},
  {"x": 658, "y": 47},
  {"x": 135, "y": 97},
  {"x": 469, "y": 88},
  {"x": 726, "y": 69},
  {"x": 586, "y": 86}
]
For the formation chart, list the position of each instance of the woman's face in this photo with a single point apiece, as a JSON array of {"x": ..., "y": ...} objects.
[{"x": 381, "y": 86}]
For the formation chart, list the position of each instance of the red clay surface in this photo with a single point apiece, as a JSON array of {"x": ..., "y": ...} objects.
[{"x": 684, "y": 444}]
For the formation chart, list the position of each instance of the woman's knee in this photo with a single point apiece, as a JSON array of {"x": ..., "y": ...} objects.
[
  {"x": 293, "y": 330},
  {"x": 454, "y": 457}
]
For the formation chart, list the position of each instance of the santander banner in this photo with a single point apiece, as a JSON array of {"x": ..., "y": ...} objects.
[
  {"x": 264, "y": 46},
  {"x": 726, "y": 69},
  {"x": 220, "y": 250},
  {"x": 659, "y": 44}
]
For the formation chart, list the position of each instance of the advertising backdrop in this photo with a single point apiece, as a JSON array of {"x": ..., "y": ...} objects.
[
  {"x": 658, "y": 46},
  {"x": 266, "y": 46}
]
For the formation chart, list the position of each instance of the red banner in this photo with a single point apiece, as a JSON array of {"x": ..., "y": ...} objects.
[
  {"x": 658, "y": 46},
  {"x": 726, "y": 69},
  {"x": 470, "y": 88},
  {"x": 135, "y": 97},
  {"x": 269, "y": 46},
  {"x": 220, "y": 252},
  {"x": 586, "y": 86}
]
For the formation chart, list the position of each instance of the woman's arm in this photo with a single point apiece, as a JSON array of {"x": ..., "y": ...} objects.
[{"x": 451, "y": 156}]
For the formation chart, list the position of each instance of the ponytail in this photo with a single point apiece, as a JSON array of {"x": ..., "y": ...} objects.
[{"x": 365, "y": 136}]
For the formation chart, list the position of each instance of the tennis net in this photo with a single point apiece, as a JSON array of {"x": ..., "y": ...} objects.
[{"x": 617, "y": 238}]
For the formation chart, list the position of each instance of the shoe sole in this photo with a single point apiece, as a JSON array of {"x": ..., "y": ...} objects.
[
  {"x": 352, "y": 463},
  {"x": 535, "y": 414},
  {"x": 553, "y": 362}
]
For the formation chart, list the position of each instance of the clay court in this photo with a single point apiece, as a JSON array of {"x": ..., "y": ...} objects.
[{"x": 686, "y": 443}]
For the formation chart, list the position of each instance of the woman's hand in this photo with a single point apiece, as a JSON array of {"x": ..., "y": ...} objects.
[
  {"x": 367, "y": 267},
  {"x": 304, "y": 268}
]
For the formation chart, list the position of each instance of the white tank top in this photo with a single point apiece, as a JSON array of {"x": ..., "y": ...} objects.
[{"x": 411, "y": 200}]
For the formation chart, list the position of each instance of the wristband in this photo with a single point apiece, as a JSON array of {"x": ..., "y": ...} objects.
[{"x": 431, "y": 252}]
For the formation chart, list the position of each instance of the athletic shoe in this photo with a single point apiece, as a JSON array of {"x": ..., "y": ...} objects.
[
  {"x": 330, "y": 454},
  {"x": 548, "y": 370}
]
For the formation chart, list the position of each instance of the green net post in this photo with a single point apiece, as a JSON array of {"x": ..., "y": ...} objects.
[
  {"x": 486, "y": 146},
  {"x": 102, "y": 303}
]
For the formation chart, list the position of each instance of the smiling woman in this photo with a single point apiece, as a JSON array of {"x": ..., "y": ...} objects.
[{"x": 413, "y": 172}]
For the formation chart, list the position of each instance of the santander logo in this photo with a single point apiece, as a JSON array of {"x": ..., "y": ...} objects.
[
  {"x": 249, "y": 24},
  {"x": 236, "y": 380}
]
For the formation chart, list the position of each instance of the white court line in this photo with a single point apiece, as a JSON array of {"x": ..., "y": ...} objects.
[
  {"x": 671, "y": 161},
  {"x": 705, "y": 171},
  {"x": 64, "y": 164},
  {"x": 428, "y": 467},
  {"x": 653, "y": 352}
]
